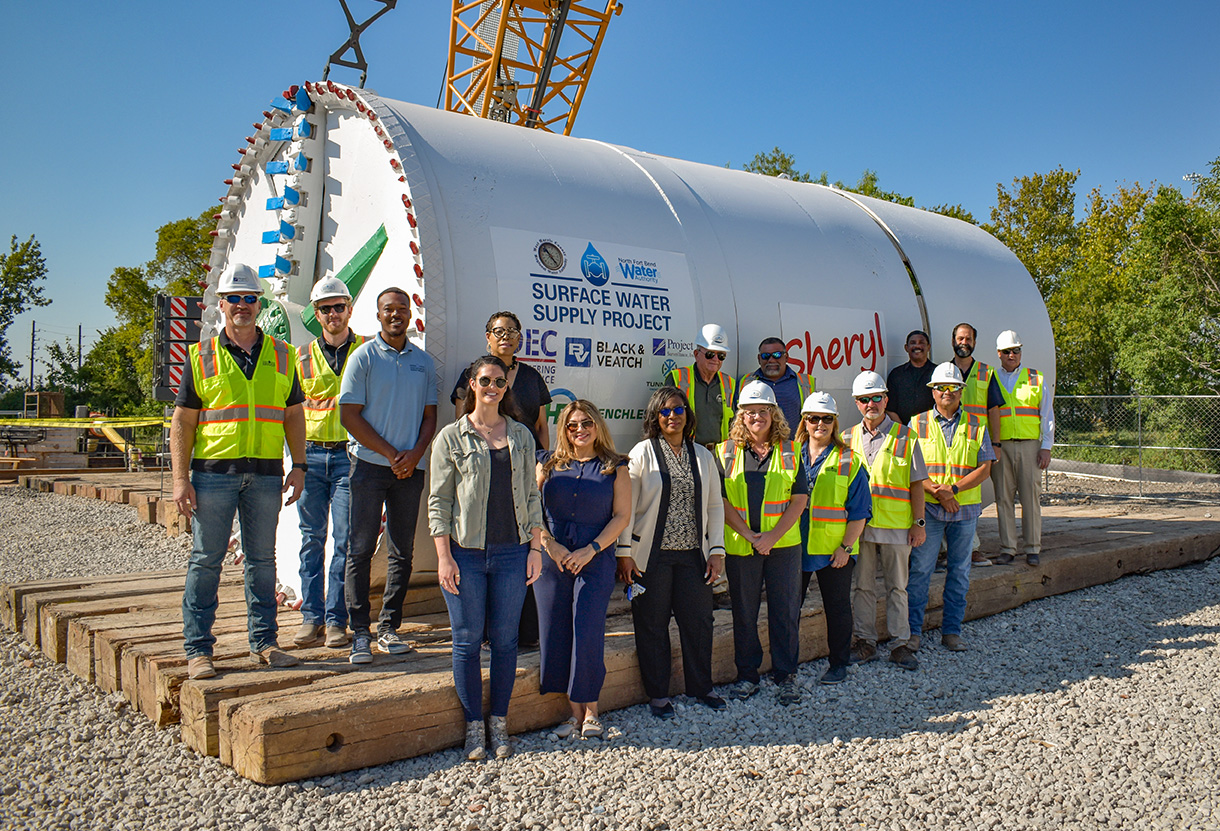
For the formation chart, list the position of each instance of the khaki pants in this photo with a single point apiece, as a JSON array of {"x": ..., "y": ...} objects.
[
  {"x": 1017, "y": 473},
  {"x": 895, "y": 563}
]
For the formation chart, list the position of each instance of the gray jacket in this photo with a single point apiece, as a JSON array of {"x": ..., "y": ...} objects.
[{"x": 461, "y": 475}]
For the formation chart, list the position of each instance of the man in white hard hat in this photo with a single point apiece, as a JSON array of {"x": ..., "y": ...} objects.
[
  {"x": 981, "y": 398},
  {"x": 1027, "y": 432},
  {"x": 895, "y": 476},
  {"x": 387, "y": 404},
  {"x": 710, "y": 390},
  {"x": 791, "y": 387},
  {"x": 327, "y": 491},
  {"x": 235, "y": 409},
  {"x": 957, "y": 451},
  {"x": 908, "y": 383}
]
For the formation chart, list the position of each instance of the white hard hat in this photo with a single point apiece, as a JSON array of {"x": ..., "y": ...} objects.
[
  {"x": 328, "y": 288},
  {"x": 238, "y": 277},
  {"x": 820, "y": 402},
  {"x": 1007, "y": 340},
  {"x": 867, "y": 383},
  {"x": 712, "y": 336},
  {"x": 756, "y": 392},
  {"x": 946, "y": 373}
]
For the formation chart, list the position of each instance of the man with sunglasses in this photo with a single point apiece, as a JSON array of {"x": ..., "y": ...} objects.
[
  {"x": 235, "y": 409},
  {"x": 327, "y": 492},
  {"x": 958, "y": 454},
  {"x": 1027, "y": 431},
  {"x": 710, "y": 391},
  {"x": 387, "y": 404},
  {"x": 981, "y": 398},
  {"x": 791, "y": 387},
  {"x": 895, "y": 477}
]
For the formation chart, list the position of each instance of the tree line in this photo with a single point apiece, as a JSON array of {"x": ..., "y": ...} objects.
[{"x": 1132, "y": 287}]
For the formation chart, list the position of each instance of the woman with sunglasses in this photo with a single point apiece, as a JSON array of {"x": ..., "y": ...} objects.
[
  {"x": 530, "y": 394},
  {"x": 586, "y": 499},
  {"x": 765, "y": 493},
  {"x": 839, "y": 506},
  {"x": 485, "y": 516},
  {"x": 672, "y": 550}
]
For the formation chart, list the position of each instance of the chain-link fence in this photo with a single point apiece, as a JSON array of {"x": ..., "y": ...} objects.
[{"x": 1149, "y": 446}]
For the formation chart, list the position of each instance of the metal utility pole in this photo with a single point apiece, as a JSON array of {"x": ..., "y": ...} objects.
[
  {"x": 32, "y": 326},
  {"x": 80, "y": 329}
]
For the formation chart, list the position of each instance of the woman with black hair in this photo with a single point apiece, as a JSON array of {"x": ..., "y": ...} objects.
[{"x": 673, "y": 549}]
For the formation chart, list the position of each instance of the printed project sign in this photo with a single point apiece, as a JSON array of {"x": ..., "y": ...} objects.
[
  {"x": 601, "y": 320},
  {"x": 833, "y": 345}
]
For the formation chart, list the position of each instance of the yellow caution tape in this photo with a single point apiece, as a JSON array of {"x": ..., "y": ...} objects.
[{"x": 86, "y": 423}]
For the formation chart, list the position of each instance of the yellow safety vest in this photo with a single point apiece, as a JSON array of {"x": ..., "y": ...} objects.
[
  {"x": 889, "y": 476},
  {"x": 777, "y": 492},
  {"x": 321, "y": 387},
  {"x": 804, "y": 384},
  {"x": 828, "y": 501},
  {"x": 945, "y": 464},
  {"x": 1021, "y": 415},
  {"x": 241, "y": 419},
  {"x": 974, "y": 397},
  {"x": 684, "y": 379}
]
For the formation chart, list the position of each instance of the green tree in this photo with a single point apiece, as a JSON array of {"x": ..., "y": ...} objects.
[
  {"x": 953, "y": 211},
  {"x": 1036, "y": 219},
  {"x": 867, "y": 186},
  {"x": 22, "y": 274},
  {"x": 778, "y": 163}
]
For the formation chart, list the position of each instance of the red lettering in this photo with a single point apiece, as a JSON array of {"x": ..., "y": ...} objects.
[
  {"x": 796, "y": 363},
  {"x": 880, "y": 340},
  {"x": 852, "y": 340},
  {"x": 832, "y": 353}
]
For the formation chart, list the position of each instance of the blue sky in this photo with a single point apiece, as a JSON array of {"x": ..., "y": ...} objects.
[{"x": 120, "y": 117}]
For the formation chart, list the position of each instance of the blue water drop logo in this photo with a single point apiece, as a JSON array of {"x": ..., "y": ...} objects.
[{"x": 594, "y": 267}]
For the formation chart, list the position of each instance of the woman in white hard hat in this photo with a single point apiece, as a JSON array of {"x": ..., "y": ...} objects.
[
  {"x": 765, "y": 493},
  {"x": 839, "y": 507},
  {"x": 673, "y": 550}
]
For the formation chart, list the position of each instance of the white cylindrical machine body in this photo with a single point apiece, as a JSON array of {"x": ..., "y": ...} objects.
[{"x": 613, "y": 258}]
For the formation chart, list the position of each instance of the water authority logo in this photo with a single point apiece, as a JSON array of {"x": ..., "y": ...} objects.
[{"x": 594, "y": 267}]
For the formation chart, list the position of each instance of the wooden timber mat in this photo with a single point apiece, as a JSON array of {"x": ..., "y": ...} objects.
[{"x": 124, "y": 634}]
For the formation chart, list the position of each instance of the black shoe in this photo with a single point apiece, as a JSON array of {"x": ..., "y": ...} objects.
[
  {"x": 721, "y": 600},
  {"x": 1003, "y": 559},
  {"x": 713, "y": 701},
  {"x": 664, "y": 713},
  {"x": 789, "y": 692},
  {"x": 834, "y": 675},
  {"x": 1032, "y": 559}
]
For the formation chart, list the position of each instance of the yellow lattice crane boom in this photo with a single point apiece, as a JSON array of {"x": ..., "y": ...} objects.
[{"x": 525, "y": 62}]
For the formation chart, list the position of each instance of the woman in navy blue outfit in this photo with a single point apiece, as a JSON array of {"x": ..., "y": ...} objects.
[{"x": 586, "y": 499}]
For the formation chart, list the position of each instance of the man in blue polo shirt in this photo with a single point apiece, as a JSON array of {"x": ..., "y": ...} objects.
[
  {"x": 387, "y": 404},
  {"x": 791, "y": 387}
]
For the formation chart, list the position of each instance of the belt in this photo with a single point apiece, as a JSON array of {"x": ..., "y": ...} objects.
[{"x": 327, "y": 445}]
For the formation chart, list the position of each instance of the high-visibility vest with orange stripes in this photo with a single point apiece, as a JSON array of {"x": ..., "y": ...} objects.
[
  {"x": 947, "y": 465},
  {"x": 889, "y": 476},
  {"x": 828, "y": 501},
  {"x": 684, "y": 379},
  {"x": 777, "y": 492},
  {"x": 241, "y": 418},
  {"x": 321, "y": 387},
  {"x": 1021, "y": 415},
  {"x": 974, "y": 396}
]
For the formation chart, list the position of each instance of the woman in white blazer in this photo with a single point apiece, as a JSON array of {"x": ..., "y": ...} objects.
[{"x": 673, "y": 550}]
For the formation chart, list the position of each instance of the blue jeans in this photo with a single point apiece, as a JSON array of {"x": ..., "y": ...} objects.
[
  {"x": 491, "y": 589},
  {"x": 326, "y": 492},
  {"x": 958, "y": 536},
  {"x": 255, "y": 499}
]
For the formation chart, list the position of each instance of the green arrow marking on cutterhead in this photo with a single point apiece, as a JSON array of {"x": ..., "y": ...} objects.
[{"x": 354, "y": 275}]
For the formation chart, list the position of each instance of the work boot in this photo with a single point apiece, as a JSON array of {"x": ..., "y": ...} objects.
[
  {"x": 200, "y": 667},
  {"x": 337, "y": 637},
  {"x": 308, "y": 634},
  {"x": 913, "y": 643},
  {"x": 500, "y": 744},
  {"x": 902, "y": 656},
  {"x": 863, "y": 652},
  {"x": 1032, "y": 559},
  {"x": 1003, "y": 558},
  {"x": 977, "y": 560},
  {"x": 476, "y": 749},
  {"x": 273, "y": 656},
  {"x": 953, "y": 643}
]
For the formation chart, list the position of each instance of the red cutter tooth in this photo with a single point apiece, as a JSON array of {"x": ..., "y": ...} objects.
[
  {"x": 419, "y": 324},
  {"x": 414, "y": 248},
  {"x": 411, "y": 220},
  {"x": 419, "y": 271}
]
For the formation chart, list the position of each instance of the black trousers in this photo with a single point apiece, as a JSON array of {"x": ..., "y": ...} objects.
[
  {"x": 674, "y": 586},
  {"x": 781, "y": 572},
  {"x": 372, "y": 487},
  {"x": 835, "y": 585}
]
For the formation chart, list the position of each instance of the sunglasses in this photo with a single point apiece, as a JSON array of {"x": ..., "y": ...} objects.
[
  {"x": 776, "y": 355},
  {"x": 666, "y": 412},
  {"x": 487, "y": 381},
  {"x": 502, "y": 332},
  {"x": 333, "y": 309},
  {"x": 715, "y": 356},
  {"x": 577, "y": 426},
  {"x": 248, "y": 299},
  {"x": 947, "y": 388},
  {"x": 811, "y": 418},
  {"x": 876, "y": 399},
  {"x": 1016, "y": 351}
]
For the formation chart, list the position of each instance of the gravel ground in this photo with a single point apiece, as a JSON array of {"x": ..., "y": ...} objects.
[{"x": 1097, "y": 709}]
